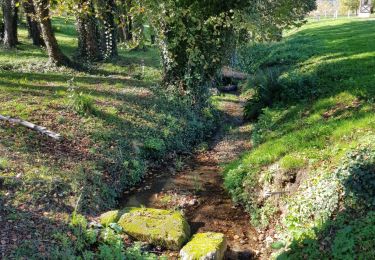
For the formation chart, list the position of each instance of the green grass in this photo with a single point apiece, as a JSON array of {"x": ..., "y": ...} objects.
[
  {"x": 115, "y": 122},
  {"x": 324, "y": 108}
]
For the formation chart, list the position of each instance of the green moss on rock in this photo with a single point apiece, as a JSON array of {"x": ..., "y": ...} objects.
[
  {"x": 164, "y": 228},
  {"x": 109, "y": 217},
  {"x": 205, "y": 246}
]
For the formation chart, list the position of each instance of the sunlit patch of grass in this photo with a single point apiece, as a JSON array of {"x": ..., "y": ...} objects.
[
  {"x": 291, "y": 162},
  {"x": 4, "y": 164}
]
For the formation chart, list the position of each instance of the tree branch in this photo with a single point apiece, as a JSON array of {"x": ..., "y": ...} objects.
[{"x": 39, "y": 129}]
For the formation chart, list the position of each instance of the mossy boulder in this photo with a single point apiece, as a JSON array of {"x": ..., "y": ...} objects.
[
  {"x": 205, "y": 246},
  {"x": 164, "y": 228},
  {"x": 109, "y": 217}
]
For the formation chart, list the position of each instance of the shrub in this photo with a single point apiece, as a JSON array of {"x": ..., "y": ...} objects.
[
  {"x": 266, "y": 91},
  {"x": 82, "y": 104},
  {"x": 154, "y": 148},
  {"x": 78, "y": 101}
]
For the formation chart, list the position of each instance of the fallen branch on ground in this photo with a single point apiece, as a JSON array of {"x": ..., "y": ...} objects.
[
  {"x": 37, "y": 128},
  {"x": 234, "y": 74}
]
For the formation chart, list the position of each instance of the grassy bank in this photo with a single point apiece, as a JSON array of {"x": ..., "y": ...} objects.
[
  {"x": 321, "y": 81},
  {"x": 115, "y": 122}
]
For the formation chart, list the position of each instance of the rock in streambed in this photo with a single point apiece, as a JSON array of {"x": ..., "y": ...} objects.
[
  {"x": 205, "y": 246},
  {"x": 165, "y": 228}
]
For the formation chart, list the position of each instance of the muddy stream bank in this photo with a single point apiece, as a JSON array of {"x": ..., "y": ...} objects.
[{"x": 198, "y": 188}]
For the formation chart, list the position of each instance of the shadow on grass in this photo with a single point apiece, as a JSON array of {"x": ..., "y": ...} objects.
[
  {"x": 351, "y": 235},
  {"x": 37, "y": 82},
  {"x": 26, "y": 232}
]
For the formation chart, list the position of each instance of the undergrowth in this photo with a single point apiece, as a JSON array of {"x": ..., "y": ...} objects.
[{"x": 88, "y": 241}]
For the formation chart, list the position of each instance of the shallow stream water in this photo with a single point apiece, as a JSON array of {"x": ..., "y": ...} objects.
[{"x": 198, "y": 188}]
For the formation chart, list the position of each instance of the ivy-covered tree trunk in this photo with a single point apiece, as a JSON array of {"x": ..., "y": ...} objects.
[
  {"x": 195, "y": 38},
  {"x": 109, "y": 33},
  {"x": 55, "y": 54},
  {"x": 10, "y": 27},
  {"x": 88, "y": 41},
  {"x": 33, "y": 26}
]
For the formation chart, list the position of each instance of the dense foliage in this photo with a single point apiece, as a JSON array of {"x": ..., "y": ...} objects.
[
  {"x": 197, "y": 37},
  {"x": 267, "y": 20}
]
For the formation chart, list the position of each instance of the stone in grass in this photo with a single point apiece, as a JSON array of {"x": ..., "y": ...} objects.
[
  {"x": 164, "y": 228},
  {"x": 109, "y": 217},
  {"x": 205, "y": 246}
]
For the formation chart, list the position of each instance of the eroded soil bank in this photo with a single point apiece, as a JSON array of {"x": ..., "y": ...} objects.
[{"x": 198, "y": 188}]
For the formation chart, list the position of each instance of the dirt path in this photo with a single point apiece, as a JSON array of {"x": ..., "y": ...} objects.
[{"x": 198, "y": 188}]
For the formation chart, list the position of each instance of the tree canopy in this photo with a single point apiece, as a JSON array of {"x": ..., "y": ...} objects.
[{"x": 196, "y": 38}]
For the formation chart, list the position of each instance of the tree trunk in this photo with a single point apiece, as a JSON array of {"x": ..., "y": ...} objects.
[
  {"x": 129, "y": 28},
  {"x": 153, "y": 38},
  {"x": 54, "y": 53},
  {"x": 1, "y": 30},
  {"x": 122, "y": 30},
  {"x": 32, "y": 25},
  {"x": 88, "y": 42},
  {"x": 126, "y": 20},
  {"x": 9, "y": 39},
  {"x": 15, "y": 20},
  {"x": 129, "y": 22},
  {"x": 110, "y": 29}
]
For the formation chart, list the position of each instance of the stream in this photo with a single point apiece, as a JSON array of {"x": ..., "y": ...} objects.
[{"x": 198, "y": 190}]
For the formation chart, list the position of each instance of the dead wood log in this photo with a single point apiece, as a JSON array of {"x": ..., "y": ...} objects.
[
  {"x": 228, "y": 72},
  {"x": 34, "y": 127}
]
